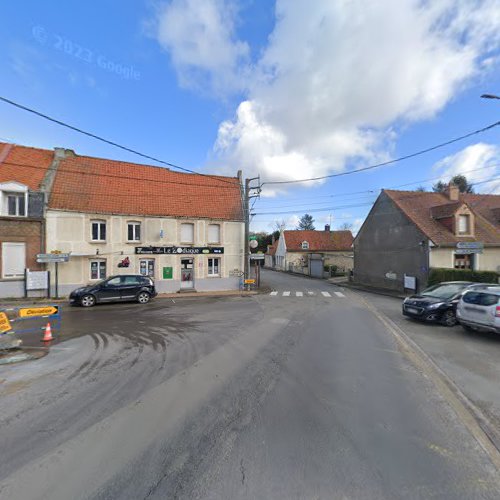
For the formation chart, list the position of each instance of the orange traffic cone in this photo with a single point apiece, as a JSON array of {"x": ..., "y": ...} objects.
[{"x": 47, "y": 336}]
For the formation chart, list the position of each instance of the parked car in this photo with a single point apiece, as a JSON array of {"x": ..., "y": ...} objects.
[
  {"x": 437, "y": 303},
  {"x": 479, "y": 309},
  {"x": 121, "y": 288}
]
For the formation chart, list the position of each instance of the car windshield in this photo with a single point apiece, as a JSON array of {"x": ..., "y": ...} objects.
[{"x": 444, "y": 291}]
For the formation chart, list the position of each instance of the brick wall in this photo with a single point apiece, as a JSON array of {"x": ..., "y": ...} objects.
[{"x": 23, "y": 230}]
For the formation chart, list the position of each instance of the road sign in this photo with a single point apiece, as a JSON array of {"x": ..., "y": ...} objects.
[
  {"x": 52, "y": 257},
  {"x": 249, "y": 282},
  {"x": 35, "y": 312},
  {"x": 4, "y": 323},
  {"x": 257, "y": 256},
  {"x": 462, "y": 245},
  {"x": 252, "y": 237},
  {"x": 253, "y": 243}
]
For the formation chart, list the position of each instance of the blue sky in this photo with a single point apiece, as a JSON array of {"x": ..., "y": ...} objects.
[{"x": 286, "y": 90}]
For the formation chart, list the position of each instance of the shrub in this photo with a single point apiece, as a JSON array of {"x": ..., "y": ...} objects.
[{"x": 438, "y": 274}]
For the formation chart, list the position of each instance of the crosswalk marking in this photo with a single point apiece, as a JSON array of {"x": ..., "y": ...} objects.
[
  {"x": 325, "y": 294},
  {"x": 286, "y": 294},
  {"x": 339, "y": 294},
  {"x": 299, "y": 294},
  {"x": 274, "y": 293}
]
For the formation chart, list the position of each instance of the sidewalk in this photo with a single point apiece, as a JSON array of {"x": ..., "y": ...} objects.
[{"x": 363, "y": 288}]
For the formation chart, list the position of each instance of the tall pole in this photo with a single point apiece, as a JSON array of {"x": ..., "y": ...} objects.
[{"x": 246, "y": 268}]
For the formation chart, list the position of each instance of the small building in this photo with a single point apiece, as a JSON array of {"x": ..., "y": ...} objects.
[
  {"x": 22, "y": 226},
  {"x": 307, "y": 252},
  {"x": 269, "y": 256},
  {"x": 407, "y": 233},
  {"x": 184, "y": 230}
]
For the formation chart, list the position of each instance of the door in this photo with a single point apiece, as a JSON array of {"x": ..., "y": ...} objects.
[
  {"x": 109, "y": 290},
  {"x": 187, "y": 273},
  {"x": 130, "y": 287},
  {"x": 316, "y": 268}
]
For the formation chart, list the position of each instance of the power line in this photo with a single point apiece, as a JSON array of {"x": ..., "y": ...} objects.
[
  {"x": 389, "y": 162},
  {"x": 102, "y": 139}
]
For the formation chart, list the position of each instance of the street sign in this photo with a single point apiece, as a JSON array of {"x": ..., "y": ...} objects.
[
  {"x": 35, "y": 312},
  {"x": 252, "y": 237},
  {"x": 249, "y": 282},
  {"x": 52, "y": 257},
  {"x": 257, "y": 256},
  {"x": 468, "y": 251},
  {"x": 462, "y": 245},
  {"x": 253, "y": 243},
  {"x": 4, "y": 323}
]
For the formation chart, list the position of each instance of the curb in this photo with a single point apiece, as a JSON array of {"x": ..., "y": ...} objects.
[{"x": 375, "y": 291}]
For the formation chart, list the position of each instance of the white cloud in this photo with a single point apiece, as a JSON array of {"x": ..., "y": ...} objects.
[
  {"x": 200, "y": 37},
  {"x": 478, "y": 162},
  {"x": 336, "y": 76}
]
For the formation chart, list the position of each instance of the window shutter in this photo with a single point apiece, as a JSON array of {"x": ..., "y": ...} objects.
[
  {"x": 187, "y": 233},
  {"x": 213, "y": 233},
  {"x": 103, "y": 230},
  {"x": 13, "y": 259}
]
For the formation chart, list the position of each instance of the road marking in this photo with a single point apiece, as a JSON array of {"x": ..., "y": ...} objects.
[
  {"x": 286, "y": 294},
  {"x": 326, "y": 294},
  {"x": 310, "y": 293},
  {"x": 274, "y": 293},
  {"x": 299, "y": 294},
  {"x": 339, "y": 294}
]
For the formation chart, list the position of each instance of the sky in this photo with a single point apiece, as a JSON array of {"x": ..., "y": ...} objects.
[{"x": 283, "y": 90}]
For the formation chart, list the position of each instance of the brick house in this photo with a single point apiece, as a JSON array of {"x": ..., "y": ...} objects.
[
  {"x": 307, "y": 252},
  {"x": 409, "y": 232},
  {"x": 23, "y": 171}
]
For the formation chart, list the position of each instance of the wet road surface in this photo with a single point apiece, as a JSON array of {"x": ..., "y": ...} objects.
[{"x": 292, "y": 395}]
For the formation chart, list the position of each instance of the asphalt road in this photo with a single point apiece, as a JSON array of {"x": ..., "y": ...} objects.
[{"x": 303, "y": 395}]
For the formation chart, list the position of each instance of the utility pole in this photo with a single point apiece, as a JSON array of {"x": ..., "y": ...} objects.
[{"x": 246, "y": 208}]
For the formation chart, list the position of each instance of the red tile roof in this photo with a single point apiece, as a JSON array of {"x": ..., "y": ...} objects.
[
  {"x": 418, "y": 206},
  {"x": 319, "y": 241},
  {"x": 98, "y": 185},
  {"x": 23, "y": 164}
]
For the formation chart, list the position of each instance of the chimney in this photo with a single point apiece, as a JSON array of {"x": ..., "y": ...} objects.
[
  {"x": 327, "y": 227},
  {"x": 452, "y": 191}
]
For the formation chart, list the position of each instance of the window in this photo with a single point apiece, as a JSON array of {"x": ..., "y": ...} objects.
[
  {"x": 305, "y": 245},
  {"x": 464, "y": 224},
  {"x": 214, "y": 233},
  {"x": 134, "y": 231},
  {"x": 13, "y": 260},
  {"x": 464, "y": 261},
  {"x": 187, "y": 233},
  {"x": 97, "y": 269},
  {"x": 98, "y": 230},
  {"x": 114, "y": 281},
  {"x": 147, "y": 267},
  {"x": 213, "y": 267},
  {"x": 16, "y": 204},
  {"x": 132, "y": 280}
]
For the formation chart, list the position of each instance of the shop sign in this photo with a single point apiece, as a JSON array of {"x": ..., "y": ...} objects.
[
  {"x": 168, "y": 273},
  {"x": 178, "y": 250}
]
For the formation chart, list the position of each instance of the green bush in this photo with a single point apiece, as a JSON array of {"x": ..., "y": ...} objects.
[{"x": 439, "y": 274}]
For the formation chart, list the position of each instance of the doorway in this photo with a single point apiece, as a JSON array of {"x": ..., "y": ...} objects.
[{"x": 187, "y": 273}]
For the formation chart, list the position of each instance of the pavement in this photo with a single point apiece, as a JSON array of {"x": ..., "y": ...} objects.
[{"x": 299, "y": 394}]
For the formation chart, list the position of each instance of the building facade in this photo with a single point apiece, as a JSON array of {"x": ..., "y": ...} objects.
[{"x": 407, "y": 233}]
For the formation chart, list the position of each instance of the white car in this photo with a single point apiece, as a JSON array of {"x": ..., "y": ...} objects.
[{"x": 479, "y": 309}]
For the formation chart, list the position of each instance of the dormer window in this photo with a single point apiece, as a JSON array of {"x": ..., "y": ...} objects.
[
  {"x": 305, "y": 245},
  {"x": 464, "y": 224},
  {"x": 13, "y": 199}
]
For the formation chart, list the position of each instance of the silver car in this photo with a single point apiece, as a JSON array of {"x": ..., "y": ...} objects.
[{"x": 479, "y": 309}]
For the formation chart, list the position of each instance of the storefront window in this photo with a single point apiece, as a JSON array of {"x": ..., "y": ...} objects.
[
  {"x": 97, "y": 269},
  {"x": 213, "y": 267}
]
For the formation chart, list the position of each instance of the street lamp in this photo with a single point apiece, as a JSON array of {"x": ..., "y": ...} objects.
[{"x": 490, "y": 96}]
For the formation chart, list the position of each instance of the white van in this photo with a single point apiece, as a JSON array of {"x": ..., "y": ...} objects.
[{"x": 479, "y": 309}]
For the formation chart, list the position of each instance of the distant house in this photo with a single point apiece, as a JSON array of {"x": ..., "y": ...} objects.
[
  {"x": 270, "y": 255},
  {"x": 22, "y": 225},
  {"x": 407, "y": 233},
  {"x": 307, "y": 252}
]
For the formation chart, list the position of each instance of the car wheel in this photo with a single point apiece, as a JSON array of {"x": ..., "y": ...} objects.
[
  {"x": 448, "y": 318},
  {"x": 143, "y": 298},
  {"x": 87, "y": 301}
]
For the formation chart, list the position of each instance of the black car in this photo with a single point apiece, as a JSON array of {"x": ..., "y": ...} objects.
[
  {"x": 437, "y": 303},
  {"x": 120, "y": 288}
]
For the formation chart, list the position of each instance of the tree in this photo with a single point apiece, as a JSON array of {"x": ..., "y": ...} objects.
[
  {"x": 421, "y": 189},
  {"x": 459, "y": 180},
  {"x": 346, "y": 226},
  {"x": 306, "y": 222}
]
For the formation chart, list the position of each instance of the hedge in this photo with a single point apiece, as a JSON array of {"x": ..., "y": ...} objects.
[{"x": 438, "y": 274}]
